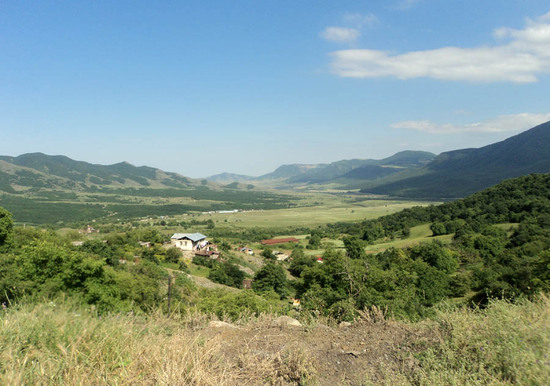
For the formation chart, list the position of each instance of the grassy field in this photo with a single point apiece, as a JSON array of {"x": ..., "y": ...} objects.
[
  {"x": 331, "y": 210},
  {"x": 421, "y": 233}
]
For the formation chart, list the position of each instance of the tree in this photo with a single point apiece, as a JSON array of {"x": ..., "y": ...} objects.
[
  {"x": 436, "y": 255},
  {"x": 268, "y": 253},
  {"x": 270, "y": 278},
  {"x": 299, "y": 262},
  {"x": 373, "y": 230},
  {"x": 438, "y": 229},
  {"x": 314, "y": 241},
  {"x": 6, "y": 230},
  {"x": 354, "y": 247},
  {"x": 173, "y": 255},
  {"x": 228, "y": 274}
]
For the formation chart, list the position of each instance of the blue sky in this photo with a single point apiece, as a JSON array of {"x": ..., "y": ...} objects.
[{"x": 204, "y": 87}]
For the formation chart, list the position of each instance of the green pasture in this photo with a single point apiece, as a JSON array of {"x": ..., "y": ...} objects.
[
  {"x": 419, "y": 234},
  {"x": 326, "y": 212}
]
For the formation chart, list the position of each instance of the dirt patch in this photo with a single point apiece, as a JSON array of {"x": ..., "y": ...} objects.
[{"x": 368, "y": 351}]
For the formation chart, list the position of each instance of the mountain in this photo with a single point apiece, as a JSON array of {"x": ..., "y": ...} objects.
[
  {"x": 368, "y": 169},
  {"x": 340, "y": 171},
  {"x": 226, "y": 178},
  {"x": 289, "y": 171},
  {"x": 38, "y": 170},
  {"x": 460, "y": 173}
]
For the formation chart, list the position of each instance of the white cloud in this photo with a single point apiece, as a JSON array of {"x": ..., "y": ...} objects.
[
  {"x": 503, "y": 123},
  {"x": 526, "y": 55},
  {"x": 340, "y": 34},
  {"x": 354, "y": 22}
]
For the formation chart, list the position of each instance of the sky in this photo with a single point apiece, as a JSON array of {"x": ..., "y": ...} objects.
[{"x": 205, "y": 87}]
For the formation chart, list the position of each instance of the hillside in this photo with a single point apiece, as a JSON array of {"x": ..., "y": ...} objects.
[
  {"x": 420, "y": 314},
  {"x": 38, "y": 170},
  {"x": 500, "y": 345},
  {"x": 462, "y": 172},
  {"x": 39, "y": 189}
]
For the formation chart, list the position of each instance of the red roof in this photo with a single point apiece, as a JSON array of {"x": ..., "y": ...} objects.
[{"x": 280, "y": 241}]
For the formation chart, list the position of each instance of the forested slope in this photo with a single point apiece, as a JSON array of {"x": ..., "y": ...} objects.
[{"x": 463, "y": 172}]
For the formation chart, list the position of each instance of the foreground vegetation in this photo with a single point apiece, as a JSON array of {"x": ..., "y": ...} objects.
[{"x": 60, "y": 342}]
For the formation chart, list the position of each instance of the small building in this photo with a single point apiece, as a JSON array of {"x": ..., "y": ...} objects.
[
  {"x": 188, "y": 241},
  {"x": 247, "y": 251}
]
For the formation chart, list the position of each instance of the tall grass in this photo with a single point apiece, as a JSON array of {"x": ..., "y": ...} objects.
[
  {"x": 63, "y": 343},
  {"x": 503, "y": 343},
  {"x": 66, "y": 344}
]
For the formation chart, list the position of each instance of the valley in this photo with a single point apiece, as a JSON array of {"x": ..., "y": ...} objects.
[{"x": 361, "y": 286}]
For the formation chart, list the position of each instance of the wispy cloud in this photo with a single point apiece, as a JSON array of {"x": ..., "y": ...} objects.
[
  {"x": 340, "y": 34},
  {"x": 354, "y": 23},
  {"x": 359, "y": 20},
  {"x": 503, "y": 123},
  {"x": 520, "y": 60}
]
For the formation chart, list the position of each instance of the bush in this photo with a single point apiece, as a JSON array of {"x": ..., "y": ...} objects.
[
  {"x": 228, "y": 274},
  {"x": 173, "y": 255}
]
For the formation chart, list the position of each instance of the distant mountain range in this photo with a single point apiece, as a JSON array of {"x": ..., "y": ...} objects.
[
  {"x": 408, "y": 174},
  {"x": 37, "y": 170},
  {"x": 339, "y": 172},
  {"x": 416, "y": 174}
]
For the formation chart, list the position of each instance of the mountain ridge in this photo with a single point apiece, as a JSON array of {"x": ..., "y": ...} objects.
[
  {"x": 39, "y": 170},
  {"x": 327, "y": 172},
  {"x": 458, "y": 173}
]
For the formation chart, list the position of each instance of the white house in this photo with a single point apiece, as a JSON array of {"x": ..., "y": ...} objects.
[{"x": 188, "y": 241}]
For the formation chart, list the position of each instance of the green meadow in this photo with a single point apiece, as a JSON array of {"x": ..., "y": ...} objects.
[{"x": 331, "y": 210}]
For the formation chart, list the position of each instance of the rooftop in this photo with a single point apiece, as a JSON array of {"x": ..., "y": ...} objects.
[{"x": 191, "y": 236}]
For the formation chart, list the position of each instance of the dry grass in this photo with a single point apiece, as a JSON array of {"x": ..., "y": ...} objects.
[{"x": 65, "y": 343}]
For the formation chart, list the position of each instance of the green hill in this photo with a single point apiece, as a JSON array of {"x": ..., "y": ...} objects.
[
  {"x": 37, "y": 170},
  {"x": 40, "y": 189}
]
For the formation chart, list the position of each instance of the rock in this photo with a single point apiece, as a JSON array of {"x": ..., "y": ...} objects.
[
  {"x": 344, "y": 324},
  {"x": 287, "y": 321}
]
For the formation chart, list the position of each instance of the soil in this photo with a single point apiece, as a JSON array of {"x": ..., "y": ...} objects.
[{"x": 365, "y": 352}]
